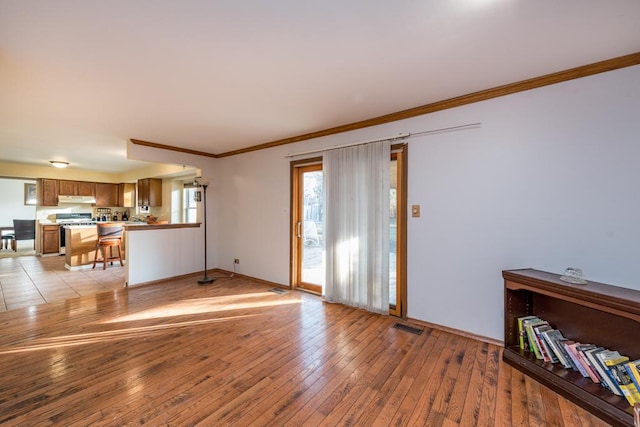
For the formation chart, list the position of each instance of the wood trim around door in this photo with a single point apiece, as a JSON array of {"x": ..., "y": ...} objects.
[{"x": 295, "y": 270}]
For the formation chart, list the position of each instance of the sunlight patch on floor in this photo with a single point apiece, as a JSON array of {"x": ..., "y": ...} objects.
[
  {"x": 208, "y": 305},
  {"x": 117, "y": 334}
]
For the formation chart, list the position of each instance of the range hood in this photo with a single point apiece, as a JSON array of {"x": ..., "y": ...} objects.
[{"x": 76, "y": 199}]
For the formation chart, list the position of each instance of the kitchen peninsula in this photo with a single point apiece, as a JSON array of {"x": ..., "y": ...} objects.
[
  {"x": 151, "y": 251},
  {"x": 161, "y": 251}
]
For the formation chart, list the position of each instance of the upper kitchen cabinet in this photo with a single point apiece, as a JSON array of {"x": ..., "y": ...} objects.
[
  {"x": 150, "y": 192},
  {"x": 106, "y": 194},
  {"x": 76, "y": 188},
  {"x": 126, "y": 194},
  {"x": 67, "y": 188},
  {"x": 47, "y": 192},
  {"x": 86, "y": 188}
]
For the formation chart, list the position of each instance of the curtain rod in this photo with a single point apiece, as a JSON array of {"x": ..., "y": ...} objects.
[
  {"x": 390, "y": 138},
  {"x": 335, "y": 147}
]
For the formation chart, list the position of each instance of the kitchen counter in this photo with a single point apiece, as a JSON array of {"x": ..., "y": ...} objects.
[
  {"x": 161, "y": 251},
  {"x": 81, "y": 240},
  {"x": 135, "y": 226}
]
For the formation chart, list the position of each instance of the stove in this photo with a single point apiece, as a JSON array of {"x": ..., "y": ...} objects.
[{"x": 74, "y": 219}]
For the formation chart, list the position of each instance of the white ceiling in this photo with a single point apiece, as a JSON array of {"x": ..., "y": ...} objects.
[{"x": 80, "y": 77}]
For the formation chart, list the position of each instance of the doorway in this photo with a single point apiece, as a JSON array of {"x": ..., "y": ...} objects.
[
  {"x": 307, "y": 216},
  {"x": 307, "y": 235}
]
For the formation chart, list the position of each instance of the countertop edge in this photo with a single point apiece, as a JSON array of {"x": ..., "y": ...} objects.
[{"x": 131, "y": 227}]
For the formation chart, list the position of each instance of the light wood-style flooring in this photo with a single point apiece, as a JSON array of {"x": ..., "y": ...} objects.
[
  {"x": 31, "y": 280},
  {"x": 234, "y": 353}
]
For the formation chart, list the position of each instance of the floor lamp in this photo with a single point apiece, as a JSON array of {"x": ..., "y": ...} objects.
[{"x": 205, "y": 280}]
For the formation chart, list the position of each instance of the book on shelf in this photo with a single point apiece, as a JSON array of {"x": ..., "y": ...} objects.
[
  {"x": 570, "y": 348},
  {"x": 528, "y": 338},
  {"x": 602, "y": 357},
  {"x": 581, "y": 350},
  {"x": 621, "y": 376},
  {"x": 597, "y": 367},
  {"x": 567, "y": 356},
  {"x": 522, "y": 333},
  {"x": 547, "y": 353},
  {"x": 555, "y": 338},
  {"x": 633, "y": 368},
  {"x": 533, "y": 340}
]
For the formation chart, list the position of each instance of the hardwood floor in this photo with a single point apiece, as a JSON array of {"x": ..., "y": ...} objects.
[{"x": 233, "y": 353}]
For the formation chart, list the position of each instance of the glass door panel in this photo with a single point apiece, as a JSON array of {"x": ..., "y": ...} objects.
[
  {"x": 393, "y": 232},
  {"x": 312, "y": 232},
  {"x": 307, "y": 232}
]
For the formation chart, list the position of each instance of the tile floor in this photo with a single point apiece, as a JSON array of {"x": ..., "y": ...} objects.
[{"x": 32, "y": 280}]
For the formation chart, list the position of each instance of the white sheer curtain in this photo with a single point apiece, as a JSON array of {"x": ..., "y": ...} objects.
[{"x": 356, "y": 226}]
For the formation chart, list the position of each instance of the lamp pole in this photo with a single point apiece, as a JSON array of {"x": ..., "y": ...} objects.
[{"x": 205, "y": 280}]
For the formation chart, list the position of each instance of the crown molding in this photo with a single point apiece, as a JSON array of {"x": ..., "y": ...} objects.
[
  {"x": 483, "y": 95},
  {"x": 172, "y": 148}
]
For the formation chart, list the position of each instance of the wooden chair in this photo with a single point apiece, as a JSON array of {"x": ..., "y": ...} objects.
[
  {"x": 109, "y": 236},
  {"x": 23, "y": 229}
]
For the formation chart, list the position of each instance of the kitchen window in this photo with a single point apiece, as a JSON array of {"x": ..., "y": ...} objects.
[{"x": 190, "y": 205}]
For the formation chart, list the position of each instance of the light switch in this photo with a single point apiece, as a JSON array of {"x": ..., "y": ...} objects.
[{"x": 415, "y": 211}]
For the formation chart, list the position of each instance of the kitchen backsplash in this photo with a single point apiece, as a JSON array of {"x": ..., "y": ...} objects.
[{"x": 48, "y": 213}]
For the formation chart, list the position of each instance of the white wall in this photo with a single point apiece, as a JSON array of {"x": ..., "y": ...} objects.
[
  {"x": 250, "y": 198},
  {"x": 13, "y": 207},
  {"x": 156, "y": 254},
  {"x": 549, "y": 180}
]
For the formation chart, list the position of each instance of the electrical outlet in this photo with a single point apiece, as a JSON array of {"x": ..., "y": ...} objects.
[{"x": 236, "y": 261}]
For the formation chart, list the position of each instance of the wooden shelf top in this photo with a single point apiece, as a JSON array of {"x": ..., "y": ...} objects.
[{"x": 623, "y": 299}]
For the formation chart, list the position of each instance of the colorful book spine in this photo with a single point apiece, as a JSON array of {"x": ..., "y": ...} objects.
[
  {"x": 555, "y": 339},
  {"x": 606, "y": 372},
  {"x": 581, "y": 350},
  {"x": 570, "y": 347},
  {"x": 623, "y": 379},
  {"x": 522, "y": 333},
  {"x": 547, "y": 354},
  {"x": 595, "y": 365},
  {"x": 533, "y": 342},
  {"x": 570, "y": 362},
  {"x": 634, "y": 372}
]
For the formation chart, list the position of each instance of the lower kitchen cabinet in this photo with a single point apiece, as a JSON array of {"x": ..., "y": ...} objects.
[{"x": 50, "y": 239}]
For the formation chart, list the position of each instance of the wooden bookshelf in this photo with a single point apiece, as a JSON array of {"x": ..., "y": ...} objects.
[{"x": 597, "y": 313}]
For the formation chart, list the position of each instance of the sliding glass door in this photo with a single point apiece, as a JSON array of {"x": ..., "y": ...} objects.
[
  {"x": 307, "y": 266},
  {"x": 307, "y": 233}
]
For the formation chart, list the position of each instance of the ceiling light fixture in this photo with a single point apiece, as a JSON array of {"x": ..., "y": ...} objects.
[{"x": 58, "y": 164}]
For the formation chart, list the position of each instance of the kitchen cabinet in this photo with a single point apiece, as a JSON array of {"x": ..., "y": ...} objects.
[
  {"x": 75, "y": 188},
  {"x": 67, "y": 188},
  {"x": 150, "y": 192},
  {"x": 106, "y": 194},
  {"x": 47, "y": 192},
  {"x": 50, "y": 239},
  {"x": 86, "y": 188},
  {"x": 126, "y": 194}
]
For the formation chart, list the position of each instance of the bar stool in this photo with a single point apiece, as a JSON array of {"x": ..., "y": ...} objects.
[{"x": 109, "y": 236}]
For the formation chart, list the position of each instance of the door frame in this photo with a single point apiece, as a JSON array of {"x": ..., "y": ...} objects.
[
  {"x": 295, "y": 271},
  {"x": 402, "y": 152}
]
